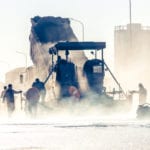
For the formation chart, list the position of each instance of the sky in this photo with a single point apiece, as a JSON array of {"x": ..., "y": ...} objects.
[{"x": 99, "y": 18}]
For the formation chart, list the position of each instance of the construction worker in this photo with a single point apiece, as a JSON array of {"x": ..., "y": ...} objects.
[
  {"x": 32, "y": 97},
  {"x": 3, "y": 93},
  {"x": 41, "y": 87},
  {"x": 142, "y": 94},
  {"x": 74, "y": 92},
  {"x": 9, "y": 97}
]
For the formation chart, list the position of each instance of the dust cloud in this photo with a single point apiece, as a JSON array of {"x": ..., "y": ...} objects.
[{"x": 131, "y": 55}]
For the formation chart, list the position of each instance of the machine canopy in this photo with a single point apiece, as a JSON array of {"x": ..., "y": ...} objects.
[{"x": 80, "y": 45}]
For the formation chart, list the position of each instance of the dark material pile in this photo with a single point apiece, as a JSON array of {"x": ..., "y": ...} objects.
[
  {"x": 143, "y": 111},
  {"x": 52, "y": 29}
]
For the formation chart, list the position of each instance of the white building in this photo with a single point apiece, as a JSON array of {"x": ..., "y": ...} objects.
[{"x": 132, "y": 54}]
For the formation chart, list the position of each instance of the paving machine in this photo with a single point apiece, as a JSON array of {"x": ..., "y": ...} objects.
[{"x": 93, "y": 70}]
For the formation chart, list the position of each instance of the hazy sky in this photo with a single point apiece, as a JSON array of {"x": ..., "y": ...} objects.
[{"x": 98, "y": 16}]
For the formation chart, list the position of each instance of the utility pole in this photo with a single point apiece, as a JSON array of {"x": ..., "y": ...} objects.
[
  {"x": 130, "y": 12},
  {"x": 26, "y": 71},
  {"x": 82, "y": 25},
  {"x": 25, "y": 55},
  {"x": 130, "y": 21}
]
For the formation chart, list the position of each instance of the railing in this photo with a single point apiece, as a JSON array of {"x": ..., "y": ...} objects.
[{"x": 126, "y": 27}]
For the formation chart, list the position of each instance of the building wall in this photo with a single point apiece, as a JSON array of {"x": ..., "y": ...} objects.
[
  {"x": 132, "y": 53},
  {"x": 28, "y": 76}
]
